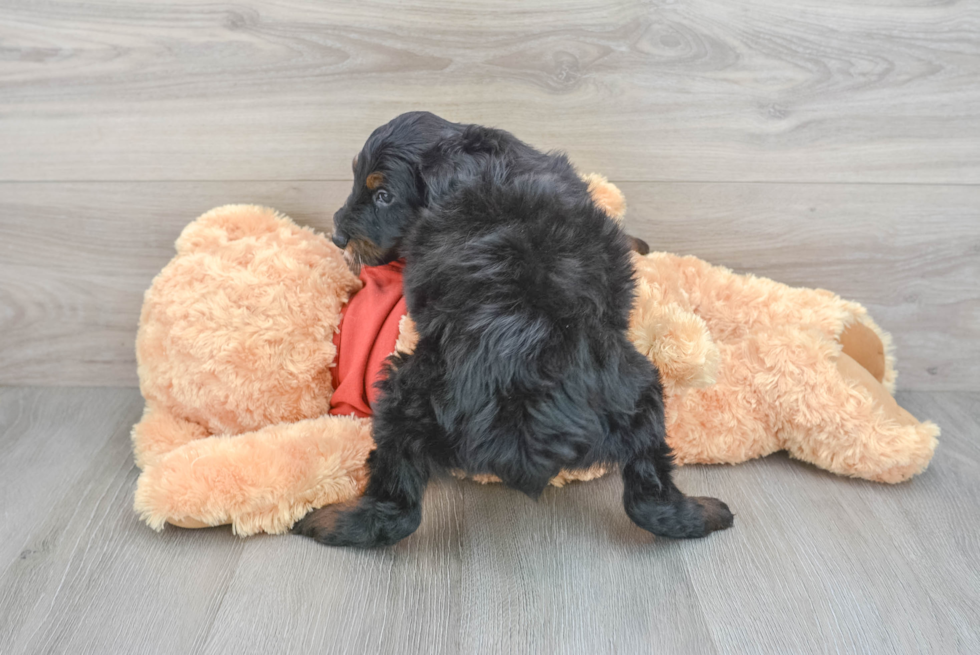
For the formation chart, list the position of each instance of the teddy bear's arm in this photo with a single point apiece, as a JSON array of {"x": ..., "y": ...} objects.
[
  {"x": 260, "y": 481},
  {"x": 159, "y": 432},
  {"x": 676, "y": 340}
]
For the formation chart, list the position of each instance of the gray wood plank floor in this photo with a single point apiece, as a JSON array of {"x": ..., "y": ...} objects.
[{"x": 815, "y": 563}]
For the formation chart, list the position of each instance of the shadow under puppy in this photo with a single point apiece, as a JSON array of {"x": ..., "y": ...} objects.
[{"x": 520, "y": 288}]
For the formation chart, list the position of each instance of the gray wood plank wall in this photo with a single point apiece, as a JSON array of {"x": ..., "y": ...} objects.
[{"x": 834, "y": 144}]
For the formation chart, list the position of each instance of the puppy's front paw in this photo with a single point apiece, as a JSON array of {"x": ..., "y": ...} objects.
[
  {"x": 320, "y": 524},
  {"x": 367, "y": 524}
]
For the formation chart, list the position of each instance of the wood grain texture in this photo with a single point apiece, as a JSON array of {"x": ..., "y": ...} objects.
[
  {"x": 401, "y": 600},
  {"x": 557, "y": 582},
  {"x": 910, "y": 254},
  {"x": 767, "y": 90},
  {"x": 815, "y": 563},
  {"x": 40, "y": 436},
  {"x": 75, "y": 259},
  {"x": 854, "y": 571},
  {"x": 92, "y": 578}
]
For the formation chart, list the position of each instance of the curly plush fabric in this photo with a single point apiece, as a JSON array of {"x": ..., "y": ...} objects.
[
  {"x": 236, "y": 332},
  {"x": 236, "y": 335},
  {"x": 780, "y": 383},
  {"x": 236, "y": 342}
]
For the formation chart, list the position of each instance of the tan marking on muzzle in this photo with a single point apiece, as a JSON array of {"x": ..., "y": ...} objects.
[{"x": 358, "y": 252}]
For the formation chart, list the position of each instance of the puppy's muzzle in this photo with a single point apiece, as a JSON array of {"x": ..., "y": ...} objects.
[
  {"x": 340, "y": 239},
  {"x": 358, "y": 253}
]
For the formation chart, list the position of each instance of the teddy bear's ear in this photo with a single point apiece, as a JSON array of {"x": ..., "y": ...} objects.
[
  {"x": 228, "y": 223},
  {"x": 606, "y": 195}
]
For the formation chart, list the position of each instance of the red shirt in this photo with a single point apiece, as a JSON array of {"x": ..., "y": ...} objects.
[{"x": 367, "y": 335}]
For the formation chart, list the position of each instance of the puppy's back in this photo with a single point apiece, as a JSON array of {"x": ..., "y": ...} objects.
[{"x": 525, "y": 288}]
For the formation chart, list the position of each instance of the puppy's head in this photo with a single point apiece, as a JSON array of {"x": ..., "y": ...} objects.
[{"x": 389, "y": 191}]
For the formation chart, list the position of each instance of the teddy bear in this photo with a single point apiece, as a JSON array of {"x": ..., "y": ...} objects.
[{"x": 257, "y": 353}]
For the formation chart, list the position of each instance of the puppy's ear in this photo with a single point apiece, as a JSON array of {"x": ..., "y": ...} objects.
[
  {"x": 639, "y": 246},
  {"x": 421, "y": 188},
  {"x": 454, "y": 156},
  {"x": 435, "y": 171}
]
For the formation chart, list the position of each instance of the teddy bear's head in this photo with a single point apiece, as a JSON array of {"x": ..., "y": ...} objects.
[{"x": 237, "y": 330}]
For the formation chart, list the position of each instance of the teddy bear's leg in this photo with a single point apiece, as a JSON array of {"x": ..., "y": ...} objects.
[
  {"x": 737, "y": 305},
  {"x": 729, "y": 422},
  {"x": 189, "y": 523},
  {"x": 564, "y": 476},
  {"x": 760, "y": 303},
  {"x": 258, "y": 481},
  {"x": 577, "y": 475},
  {"x": 159, "y": 432},
  {"x": 859, "y": 430},
  {"x": 832, "y": 412},
  {"x": 405, "y": 425},
  {"x": 720, "y": 425},
  {"x": 864, "y": 346},
  {"x": 870, "y": 346}
]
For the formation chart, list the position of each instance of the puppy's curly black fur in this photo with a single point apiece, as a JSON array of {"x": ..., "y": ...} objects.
[{"x": 520, "y": 288}]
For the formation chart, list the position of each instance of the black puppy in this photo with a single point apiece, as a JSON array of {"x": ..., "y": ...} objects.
[{"x": 521, "y": 289}]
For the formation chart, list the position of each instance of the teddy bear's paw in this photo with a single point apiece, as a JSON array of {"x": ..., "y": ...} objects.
[
  {"x": 915, "y": 445},
  {"x": 677, "y": 342},
  {"x": 366, "y": 524},
  {"x": 189, "y": 523}
]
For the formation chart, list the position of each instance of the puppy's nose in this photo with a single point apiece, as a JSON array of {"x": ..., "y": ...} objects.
[{"x": 339, "y": 239}]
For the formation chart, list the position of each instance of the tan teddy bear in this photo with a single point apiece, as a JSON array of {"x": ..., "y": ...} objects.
[{"x": 236, "y": 362}]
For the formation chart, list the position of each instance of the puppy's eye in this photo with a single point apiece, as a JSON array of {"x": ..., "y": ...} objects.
[{"x": 382, "y": 197}]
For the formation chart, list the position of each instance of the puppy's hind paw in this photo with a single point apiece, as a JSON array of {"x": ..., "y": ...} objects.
[{"x": 715, "y": 513}]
